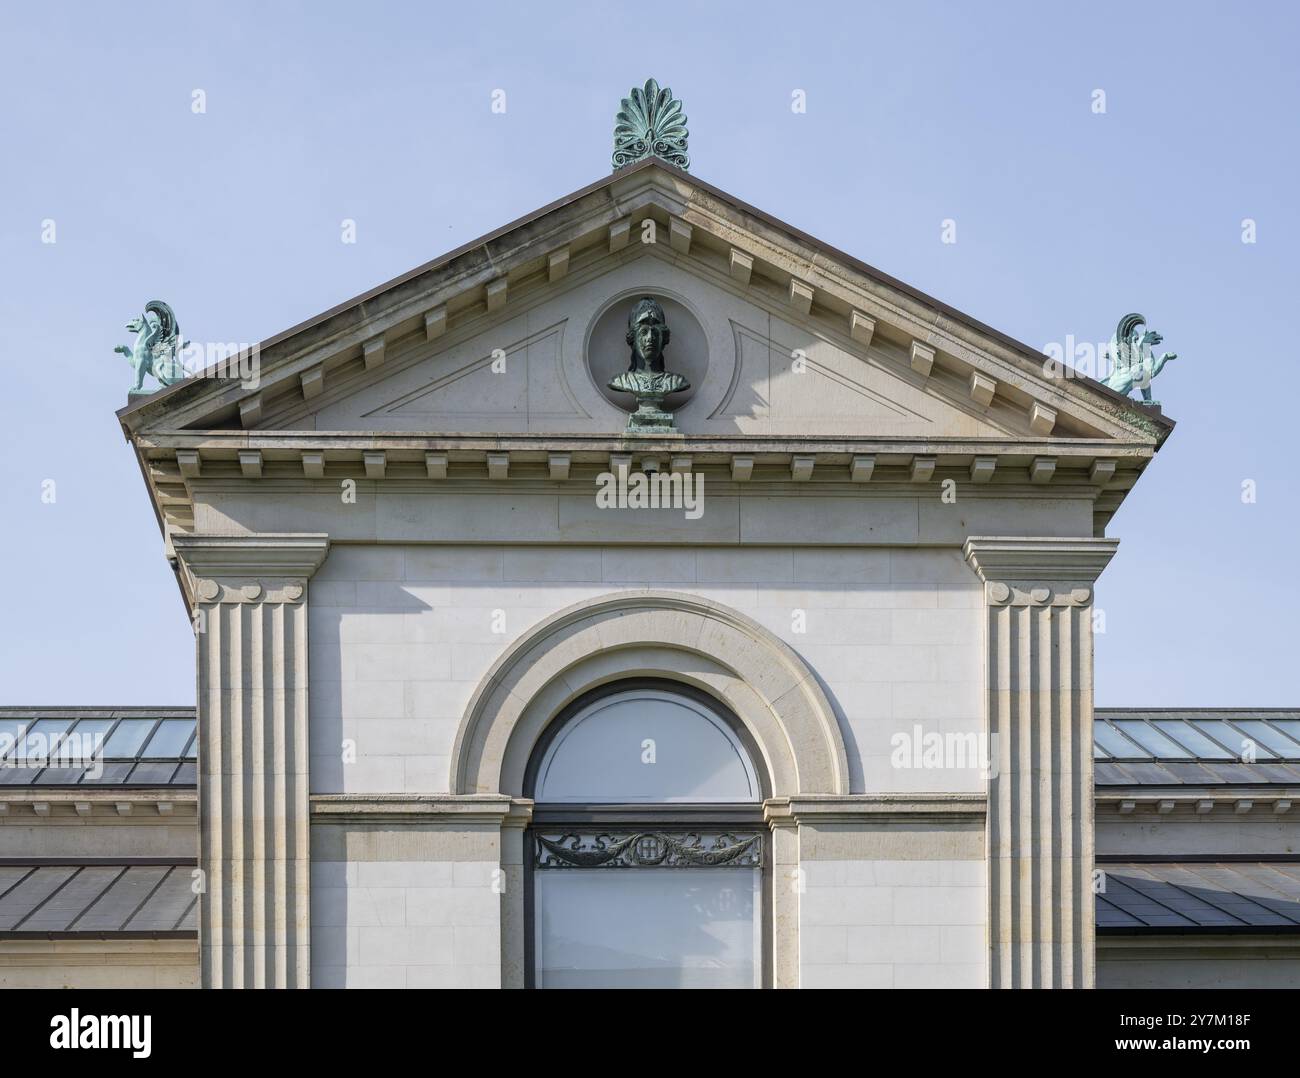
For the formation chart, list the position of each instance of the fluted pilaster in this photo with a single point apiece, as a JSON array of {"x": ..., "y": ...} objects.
[
  {"x": 1038, "y": 679},
  {"x": 250, "y": 600}
]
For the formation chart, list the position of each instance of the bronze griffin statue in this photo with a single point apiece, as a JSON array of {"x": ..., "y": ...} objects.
[
  {"x": 1133, "y": 363},
  {"x": 157, "y": 349}
]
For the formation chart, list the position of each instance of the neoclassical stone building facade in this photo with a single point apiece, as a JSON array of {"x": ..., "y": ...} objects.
[
  {"x": 464, "y": 721},
  {"x": 405, "y": 587}
]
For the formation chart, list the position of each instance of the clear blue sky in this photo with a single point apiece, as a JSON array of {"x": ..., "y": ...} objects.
[{"x": 1066, "y": 219}]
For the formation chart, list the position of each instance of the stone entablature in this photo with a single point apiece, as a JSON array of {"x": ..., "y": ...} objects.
[{"x": 275, "y": 462}]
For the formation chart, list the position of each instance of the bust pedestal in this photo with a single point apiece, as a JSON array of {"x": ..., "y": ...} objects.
[{"x": 649, "y": 388}]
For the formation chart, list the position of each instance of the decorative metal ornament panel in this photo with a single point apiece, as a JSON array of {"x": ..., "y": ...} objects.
[{"x": 648, "y": 849}]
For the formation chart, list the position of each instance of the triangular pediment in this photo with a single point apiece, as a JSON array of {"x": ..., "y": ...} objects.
[{"x": 780, "y": 336}]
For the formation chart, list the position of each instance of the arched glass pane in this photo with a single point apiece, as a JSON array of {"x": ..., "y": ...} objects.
[{"x": 646, "y": 746}]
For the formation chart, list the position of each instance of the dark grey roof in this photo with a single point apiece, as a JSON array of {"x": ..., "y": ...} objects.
[
  {"x": 1199, "y": 897},
  {"x": 136, "y": 747},
  {"x": 89, "y": 897},
  {"x": 1196, "y": 746}
]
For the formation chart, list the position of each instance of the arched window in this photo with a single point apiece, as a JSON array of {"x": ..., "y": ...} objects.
[
  {"x": 647, "y": 851},
  {"x": 646, "y": 747}
]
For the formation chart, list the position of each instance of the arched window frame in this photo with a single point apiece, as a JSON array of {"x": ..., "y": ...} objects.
[{"x": 670, "y": 816}]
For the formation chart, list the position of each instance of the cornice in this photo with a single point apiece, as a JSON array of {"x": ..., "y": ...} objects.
[
  {"x": 1198, "y": 801},
  {"x": 53, "y": 804},
  {"x": 876, "y": 808},
  {"x": 453, "y": 809},
  {"x": 450, "y": 809},
  {"x": 211, "y": 441},
  {"x": 1152, "y": 945}
]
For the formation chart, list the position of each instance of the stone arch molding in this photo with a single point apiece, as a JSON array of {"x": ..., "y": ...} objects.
[{"x": 651, "y": 633}]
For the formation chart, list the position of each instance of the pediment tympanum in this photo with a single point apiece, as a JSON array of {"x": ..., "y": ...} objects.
[{"x": 545, "y": 371}]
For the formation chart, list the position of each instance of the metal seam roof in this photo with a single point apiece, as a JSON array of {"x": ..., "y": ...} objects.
[
  {"x": 96, "y": 899},
  {"x": 1230, "y": 897}
]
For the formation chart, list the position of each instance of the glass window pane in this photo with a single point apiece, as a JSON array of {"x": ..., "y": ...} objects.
[
  {"x": 1187, "y": 735},
  {"x": 10, "y": 729},
  {"x": 128, "y": 737},
  {"x": 60, "y": 776},
  {"x": 694, "y": 928},
  {"x": 1231, "y": 739},
  {"x": 92, "y": 727},
  {"x": 42, "y": 737},
  {"x": 1274, "y": 739},
  {"x": 1119, "y": 747},
  {"x": 109, "y": 774},
  {"x": 187, "y": 774},
  {"x": 192, "y": 750},
  {"x": 152, "y": 774},
  {"x": 169, "y": 739},
  {"x": 1290, "y": 727},
  {"x": 81, "y": 746},
  {"x": 1153, "y": 740},
  {"x": 644, "y": 746}
]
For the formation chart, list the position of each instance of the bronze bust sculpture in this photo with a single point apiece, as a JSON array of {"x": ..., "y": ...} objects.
[{"x": 648, "y": 335}]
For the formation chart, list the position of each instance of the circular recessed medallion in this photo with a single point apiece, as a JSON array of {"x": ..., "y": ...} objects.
[{"x": 609, "y": 354}]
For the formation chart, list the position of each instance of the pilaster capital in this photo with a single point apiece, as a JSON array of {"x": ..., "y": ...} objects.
[
  {"x": 1039, "y": 570},
  {"x": 250, "y": 568}
]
